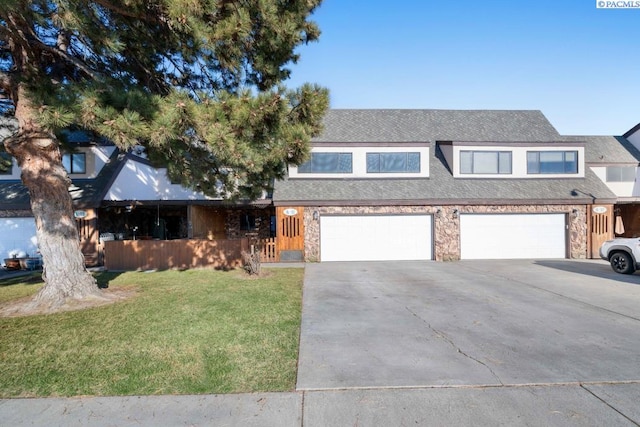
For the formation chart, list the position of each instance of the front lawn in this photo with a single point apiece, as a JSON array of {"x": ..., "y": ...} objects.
[{"x": 189, "y": 332}]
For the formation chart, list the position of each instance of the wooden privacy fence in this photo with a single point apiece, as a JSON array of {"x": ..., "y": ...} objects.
[{"x": 166, "y": 254}]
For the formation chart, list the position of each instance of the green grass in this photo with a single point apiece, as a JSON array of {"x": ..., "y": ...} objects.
[{"x": 189, "y": 332}]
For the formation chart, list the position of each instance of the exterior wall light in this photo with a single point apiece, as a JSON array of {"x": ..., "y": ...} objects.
[
  {"x": 456, "y": 213},
  {"x": 316, "y": 215}
]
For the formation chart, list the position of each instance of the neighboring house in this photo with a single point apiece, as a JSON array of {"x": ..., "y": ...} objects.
[
  {"x": 615, "y": 160},
  {"x": 380, "y": 185},
  {"x": 444, "y": 185},
  {"x": 129, "y": 209}
]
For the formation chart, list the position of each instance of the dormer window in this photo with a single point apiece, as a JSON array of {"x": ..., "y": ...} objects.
[
  {"x": 328, "y": 163},
  {"x": 621, "y": 173},
  {"x": 393, "y": 162},
  {"x": 485, "y": 162},
  {"x": 75, "y": 163},
  {"x": 552, "y": 162}
]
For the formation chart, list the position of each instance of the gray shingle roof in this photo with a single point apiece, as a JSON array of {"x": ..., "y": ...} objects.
[
  {"x": 8, "y": 125},
  {"x": 84, "y": 192},
  {"x": 608, "y": 149},
  {"x": 436, "y": 125},
  {"x": 441, "y": 187}
]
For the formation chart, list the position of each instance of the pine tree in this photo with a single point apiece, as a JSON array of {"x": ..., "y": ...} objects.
[{"x": 197, "y": 82}]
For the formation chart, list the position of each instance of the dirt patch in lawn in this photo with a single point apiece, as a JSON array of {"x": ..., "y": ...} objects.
[{"x": 26, "y": 307}]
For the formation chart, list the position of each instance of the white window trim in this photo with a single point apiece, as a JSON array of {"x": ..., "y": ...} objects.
[
  {"x": 518, "y": 161},
  {"x": 359, "y": 157}
]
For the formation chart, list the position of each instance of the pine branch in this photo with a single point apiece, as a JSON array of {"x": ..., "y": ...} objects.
[
  {"x": 60, "y": 52},
  {"x": 128, "y": 12}
]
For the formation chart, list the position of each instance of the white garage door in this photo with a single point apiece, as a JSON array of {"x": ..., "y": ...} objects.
[
  {"x": 17, "y": 236},
  {"x": 509, "y": 236},
  {"x": 375, "y": 238}
]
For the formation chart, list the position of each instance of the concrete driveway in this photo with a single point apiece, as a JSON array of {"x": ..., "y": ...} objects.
[{"x": 469, "y": 323}]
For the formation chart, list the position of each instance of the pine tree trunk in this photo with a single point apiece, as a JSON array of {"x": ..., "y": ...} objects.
[{"x": 64, "y": 272}]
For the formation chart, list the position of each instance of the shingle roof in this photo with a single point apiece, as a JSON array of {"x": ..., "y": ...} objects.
[
  {"x": 8, "y": 125},
  {"x": 84, "y": 192},
  {"x": 436, "y": 125},
  {"x": 608, "y": 149},
  {"x": 352, "y": 126}
]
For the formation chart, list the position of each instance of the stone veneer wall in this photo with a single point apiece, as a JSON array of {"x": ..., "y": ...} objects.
[{"x": 446, "y": 232}]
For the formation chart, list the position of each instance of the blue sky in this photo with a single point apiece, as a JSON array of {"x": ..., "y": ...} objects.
[{"x": 578, "y": 64}]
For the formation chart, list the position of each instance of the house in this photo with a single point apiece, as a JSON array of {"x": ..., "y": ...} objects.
[
  {"x": 445, "y": 185},
  {"x": 615, "y": 161},
  {"x": 380, "y": 185},
  {"x": 130, "y": 216}
]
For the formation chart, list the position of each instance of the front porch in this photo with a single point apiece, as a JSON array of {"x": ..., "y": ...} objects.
[{"x": 147, "y": 236}]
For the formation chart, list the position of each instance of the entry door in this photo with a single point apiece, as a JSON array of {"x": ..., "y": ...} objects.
[
  {"x": 290, "y": 233},
  {"x": 601, "y": 225}
]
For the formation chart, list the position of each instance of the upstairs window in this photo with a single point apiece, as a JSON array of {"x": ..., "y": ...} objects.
[
  {"x": 621, "y": 173},
  {"x": 75, "y": 162},
  {"x": 328, "y": 163},
  {"x": 6, "y": 164},
  {"x": 485, "y": 162},
  {"x": 552, "y": 162},
  {"x": 393, "y": 162}
]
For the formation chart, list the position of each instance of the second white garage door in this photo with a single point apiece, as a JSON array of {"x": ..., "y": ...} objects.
[
  {"x": 375, "y": 237},
  {"x": 511, "y": 236}
]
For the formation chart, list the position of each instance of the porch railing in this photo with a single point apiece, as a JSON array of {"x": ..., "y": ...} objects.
[{"x": 269, "y": 253}]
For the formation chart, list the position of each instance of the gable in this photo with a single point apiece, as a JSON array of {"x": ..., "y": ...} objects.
[{"x": 138, "y": 180}]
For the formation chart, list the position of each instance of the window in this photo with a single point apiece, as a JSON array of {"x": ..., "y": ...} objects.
[
  {"x": 621, "y": 173},
  {"x": 75, "y": 162},
  {"x": 328, "y": 163},
  {"x": 541, "y": 162},
  {"x": 6, "y": 164},
  {"x": 393, "y": 162},
  {"x": 247, "y": 222},
  {"x": 485, "y": 162}
]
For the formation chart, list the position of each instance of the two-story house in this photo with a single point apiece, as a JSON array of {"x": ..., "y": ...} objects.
[{"x": 444, "y": 185}]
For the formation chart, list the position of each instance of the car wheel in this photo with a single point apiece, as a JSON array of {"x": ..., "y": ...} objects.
[{"x": 621, "y": 262}]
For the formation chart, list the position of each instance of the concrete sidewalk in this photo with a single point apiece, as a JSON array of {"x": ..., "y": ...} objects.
[{"x": 541, "y": 405}]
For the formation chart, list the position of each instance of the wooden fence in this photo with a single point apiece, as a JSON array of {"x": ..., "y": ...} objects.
[
  {"x": 166, "y": 254},
  {"x": 268, "y": 247}
]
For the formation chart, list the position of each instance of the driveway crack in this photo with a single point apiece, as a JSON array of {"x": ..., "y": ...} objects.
[
  {"x": 447, "y": 339},
  {"x": 588, "y": 390}
]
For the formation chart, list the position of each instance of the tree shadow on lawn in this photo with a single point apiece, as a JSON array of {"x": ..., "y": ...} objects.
[
  {"x": 594, "y": 269},
  {"x": 20, "y": 277},
  {"x": 28, "y": 306},
  {"x": 35, "y": 278}
]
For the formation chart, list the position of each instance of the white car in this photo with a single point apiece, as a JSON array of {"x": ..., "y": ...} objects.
[{"x": 622, "y": 253}]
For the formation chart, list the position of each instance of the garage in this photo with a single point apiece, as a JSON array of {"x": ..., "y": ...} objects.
[
  {"x": 376, "y": 238},
  {"x": 512, "y": 236},
  {"x": 18, "y": 237}
]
